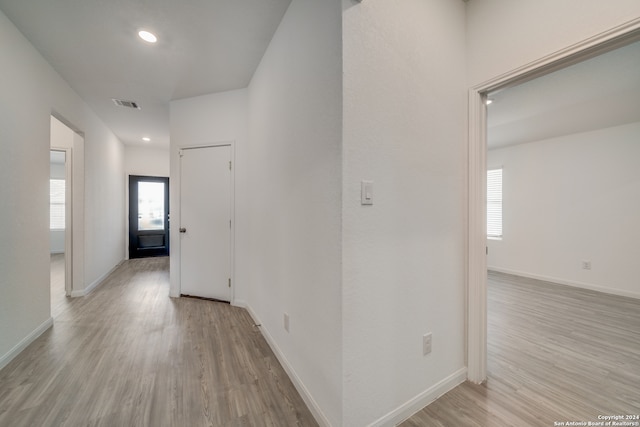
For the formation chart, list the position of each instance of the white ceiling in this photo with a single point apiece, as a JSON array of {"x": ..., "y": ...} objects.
[
  {"x": 597, "y": 93},
  {"x": 208, "y": 46},
  {"x": 204, "y": 46}
]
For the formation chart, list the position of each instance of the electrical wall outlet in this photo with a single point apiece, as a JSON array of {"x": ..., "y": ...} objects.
[
  {"x": 286, "y": 322},
  {"x": 586, "y": 265},
  {"x": 426, "y": 344}
]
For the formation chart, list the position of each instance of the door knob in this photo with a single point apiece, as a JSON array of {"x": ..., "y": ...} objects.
[{"x": 183, "y": 230}]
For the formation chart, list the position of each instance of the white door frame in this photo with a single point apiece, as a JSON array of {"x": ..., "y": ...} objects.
[
  {"x": 477, "y": 170},
  {"x": 175, "y": 206}
]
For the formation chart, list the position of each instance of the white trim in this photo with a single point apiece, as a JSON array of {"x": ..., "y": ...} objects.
[
  {"x": 416, "y": 404},
  {"x": 477, "y": 243},
  {"x": 93, "y": 285},
  {"x": 17, "y": 349},
  {"x": 573, "y": 284},
  {"x": 476, "y": 270},
  {"x": 68, "y": 234},
  {"x": 313, "y": 406},
  {"x": 240, "y": 303}
]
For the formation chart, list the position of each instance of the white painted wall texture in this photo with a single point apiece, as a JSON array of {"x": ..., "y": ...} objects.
[
  {"x": 294, "y": 172},
  {"x": 404, "y": 257},
  {"x": 570, "y": 199},
  {"x": 503, "y": 35},
  {"x": 31, "y": 90},
  {"x": 146, "y": 161}
]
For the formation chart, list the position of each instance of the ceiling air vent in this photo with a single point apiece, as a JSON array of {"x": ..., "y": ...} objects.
[{"x": 128, "y": 104}]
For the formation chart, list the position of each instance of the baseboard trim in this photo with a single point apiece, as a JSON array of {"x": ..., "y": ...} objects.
[
  {"x": 414, "y": 405},
  {"x": 240, "y": 303},
  {"x": 574, "y": 284},
  {"x": 95, "y": 284},
  {"x": 313, "y": 406},
  {"x": 24, "y": 343}
]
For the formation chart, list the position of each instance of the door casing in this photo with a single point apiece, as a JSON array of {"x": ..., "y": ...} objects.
[{"x": 477, "y": 177}]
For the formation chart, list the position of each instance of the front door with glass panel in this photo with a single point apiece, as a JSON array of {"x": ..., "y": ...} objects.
[{"x": 148, "y": 216}]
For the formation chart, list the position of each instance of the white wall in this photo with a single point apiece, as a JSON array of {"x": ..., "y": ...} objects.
[
  {"x": 31, "y": 91},
  {"x": 146, "y": 161},
  {"x": 404, "y": 257},
  {"x": 57, "y": 171},
  {"x": 104, "y": 203},
  {"x": 294, "y": 174},
  {"x": 570, "y": 199},
  {"x": 209, "y": 119},
  {"x": 504, "y": 34}
]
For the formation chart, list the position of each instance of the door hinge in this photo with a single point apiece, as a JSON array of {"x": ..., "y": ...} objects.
[
  {"x": 229, "y": 165},
  {"x": 229, "y": 282},
  {"x": 486, "y": 250}
]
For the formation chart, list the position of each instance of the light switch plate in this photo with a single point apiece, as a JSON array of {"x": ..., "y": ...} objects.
[
  {"x": 366, "y": 192},
  {"x": 426, "y": 344}
]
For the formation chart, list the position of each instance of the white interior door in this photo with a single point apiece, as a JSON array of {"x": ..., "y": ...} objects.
[{"x": 205, "y": 222}]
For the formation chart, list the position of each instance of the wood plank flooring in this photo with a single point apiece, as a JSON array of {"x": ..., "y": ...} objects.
[
  {"x": 555, "y": 354},
  {"x": 59, "y": 299},
  {"x": 128, "y": 355}
]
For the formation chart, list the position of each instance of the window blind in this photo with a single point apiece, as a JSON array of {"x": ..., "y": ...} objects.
[
  {"x": 56, "y": 204},
  {"x": 494, "y": 203}
]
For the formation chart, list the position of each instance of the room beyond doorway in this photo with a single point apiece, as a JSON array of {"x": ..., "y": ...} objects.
[{"x": 477, "y": 146}]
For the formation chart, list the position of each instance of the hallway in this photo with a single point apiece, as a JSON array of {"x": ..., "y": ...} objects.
[{"x": 127, "y": 354}]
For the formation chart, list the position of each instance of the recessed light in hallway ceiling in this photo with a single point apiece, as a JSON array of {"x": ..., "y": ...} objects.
[{"x": 147, "y": 36}]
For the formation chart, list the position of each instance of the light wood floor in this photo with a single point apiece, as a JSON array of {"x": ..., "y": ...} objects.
[
  {"x": 128, "y": 355},
  {"x": 59, "y": 299},
  {"x": 555, "y": 353}
]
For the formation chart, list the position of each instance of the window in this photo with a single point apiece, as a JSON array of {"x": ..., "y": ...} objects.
[
  {"x": 494, "y": 203},
  {"x": 56, "y": 204}
]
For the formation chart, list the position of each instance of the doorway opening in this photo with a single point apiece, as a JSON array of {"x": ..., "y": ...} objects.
[
  {"x": 66, "y": 139},
  {"x": 60, "y": 227},
  {"x": 148, "y": 216},
  {"x": 477, "y": 238}
]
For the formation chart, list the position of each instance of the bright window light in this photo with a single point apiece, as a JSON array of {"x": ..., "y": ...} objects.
[
  {"x": 494, "y": 204},
  {"x": 56, "y": 204}
]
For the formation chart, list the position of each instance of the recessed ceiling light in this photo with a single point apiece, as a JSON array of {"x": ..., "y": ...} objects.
[
  {"x": 146, "y": 139},
  {"x": 147, "y": 36}
]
